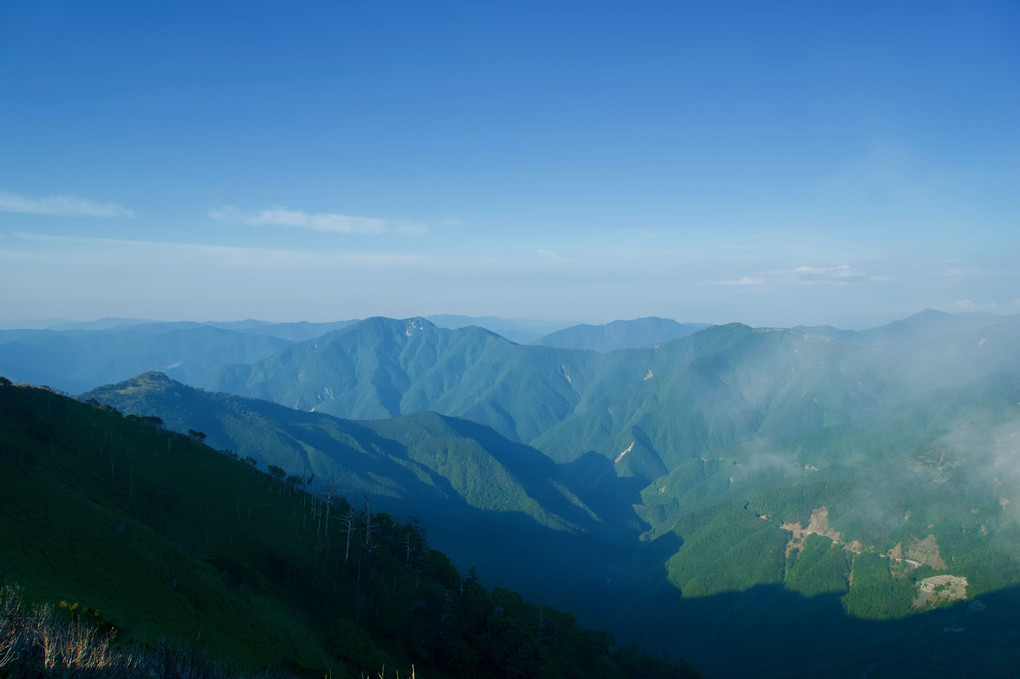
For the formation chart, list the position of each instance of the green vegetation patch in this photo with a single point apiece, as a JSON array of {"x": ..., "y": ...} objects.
[{"x": 819, "y": 567}]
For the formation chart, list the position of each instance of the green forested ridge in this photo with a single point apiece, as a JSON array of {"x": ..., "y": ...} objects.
[
  {"x": 165, "y": 537},
  {"x": 720, "y": 385},
  {"x": 430, "y": 459},
  {"x": 383, "y": 368}
]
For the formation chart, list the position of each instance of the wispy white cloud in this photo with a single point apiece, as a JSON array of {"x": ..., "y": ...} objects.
[
  {"x": 969, "y": 272},
  {"x": 326, "y": 222},
  {"x": 61, "y": 205},
  {"x": 839, "y": 274},
  {"x": 556, "y": 257},
  {"x": 804, "y": 276},
  {"x": 745, "y": 282}
]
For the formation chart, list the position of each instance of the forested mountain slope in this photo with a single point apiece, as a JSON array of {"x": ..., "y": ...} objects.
[
  {"x": 649, "y": 409},
  {"x": 423, "y": 459},
  {"x": 153, "y": 534},
  {"x": 523, "y": 520},
  {"x": 383, "y": 367}
]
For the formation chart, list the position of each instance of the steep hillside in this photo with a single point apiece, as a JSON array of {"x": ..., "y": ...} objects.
[
  {"x": 156, "y": 535},
  {"x": 421, "y": 460},
  {"x": 549, "y": 530}
]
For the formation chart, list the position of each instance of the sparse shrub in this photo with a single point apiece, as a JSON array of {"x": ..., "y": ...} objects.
[
  {"x": 36, "y": 642},
  {"x": 72, "y": 642}
]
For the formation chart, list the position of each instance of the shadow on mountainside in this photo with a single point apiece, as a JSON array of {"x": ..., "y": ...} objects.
[{"x": 769, "y": 631}]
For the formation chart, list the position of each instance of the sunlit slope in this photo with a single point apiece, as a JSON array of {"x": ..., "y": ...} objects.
[
  {"x": 424, "y": 459},
  {"x": 649, "y": 409},
  {"x": 670, "y": 401},
  {"x": 875, "y": 510},
  {"x": 384, "y": 367},
  {"x": 721, "y": 386}
]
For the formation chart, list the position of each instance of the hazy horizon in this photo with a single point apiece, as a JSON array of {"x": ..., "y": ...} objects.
[
  {"x": 814, "y": 164},
  {"x": 539, "y": 325}
]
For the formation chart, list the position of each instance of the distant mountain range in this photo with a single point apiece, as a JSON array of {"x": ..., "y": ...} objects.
[
  {"x": 76, "y": 360},
  {"x": 74, "y": 357},
  {"x": 640, "y": 332}
]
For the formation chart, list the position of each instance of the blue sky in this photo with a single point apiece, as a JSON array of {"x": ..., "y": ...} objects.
[{"x": 771, "y": 163}]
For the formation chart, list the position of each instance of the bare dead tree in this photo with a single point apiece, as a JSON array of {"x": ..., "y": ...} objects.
[{"x": 368, "y": 522}]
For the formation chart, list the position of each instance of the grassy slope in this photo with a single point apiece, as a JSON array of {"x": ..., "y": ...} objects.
[{"x": 131, "y": 521}]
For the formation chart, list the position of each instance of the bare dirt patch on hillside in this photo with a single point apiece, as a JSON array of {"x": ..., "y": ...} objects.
[
  {"x": 819, "y": 524},
  {"x": 939, "y": 588},
  {"x": 926, "y": 553}
]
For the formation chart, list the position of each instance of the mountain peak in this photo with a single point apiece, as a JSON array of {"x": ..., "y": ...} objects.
[
  {"x": 417, "y": 324},
  {"x": 931, "y": 313}
]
